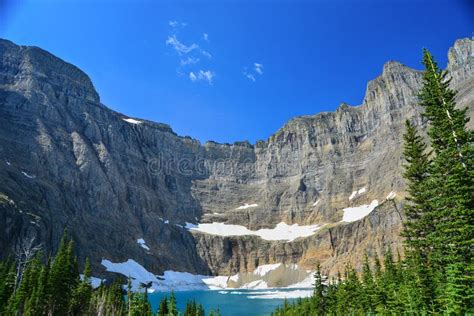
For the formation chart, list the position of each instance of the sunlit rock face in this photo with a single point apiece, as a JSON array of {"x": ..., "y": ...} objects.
[{"x": 67, "y": 161}]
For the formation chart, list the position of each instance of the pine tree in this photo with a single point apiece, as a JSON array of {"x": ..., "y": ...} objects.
[
  {"x": 319, "y": 292},
  {"x": 368, "y": 288},
  {"x": 81, "y": 296},
  {"x": 418, "y": 223},
  {"x": 61, "y": 279},
  {"x": 200, "y": 310},
  {"x": 172, "y": 308},
  {"x": 7, "y": 283},
  {"x": 163, "y": 308},
  {"x": 451, "y": 186}
]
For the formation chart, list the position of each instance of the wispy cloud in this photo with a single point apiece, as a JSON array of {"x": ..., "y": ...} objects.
[
  {"x": 202, "y": 75},
  {"x": 180, "y": 47},
  {"x": 250, "y": 76},
  {"x": 254, "y": 72},
  {"x": 206, "y": 53},
  {"x": 190, "y": 54},
  {"x": 176, "y": 24},
  {"x": 188, "y": 61}
]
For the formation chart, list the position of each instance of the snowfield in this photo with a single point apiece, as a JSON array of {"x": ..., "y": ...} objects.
[
  {"x": 352, "y": 214},
  {"x": 245, "y": 206},
  {"x": 264, "y": 269},
  {"x": 132, "y": 121},
  {"x": 357, "y": 193},
  {"x": 184, "y": 281},
  {"x": 282, "y": 231},
  {"x": 142, "y": 244}
]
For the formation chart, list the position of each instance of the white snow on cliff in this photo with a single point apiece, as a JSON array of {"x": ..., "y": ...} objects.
[
  {"x": 245, "y": 206},
  {"x": 391, "y": 196},
  {"x": 131, "y": 269},
  {"x": 142, "y": 244},
  {"x": 357, "y": 193},
  {"x": 264, "y": 269},
  {"x": 132, "y": 121},
  {"x": 352, "y": 214},
  {"x": 29, "y": 176},
  {"x": 282, "y": 231}
]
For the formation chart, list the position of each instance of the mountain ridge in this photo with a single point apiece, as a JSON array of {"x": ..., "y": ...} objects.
[{"x": 73, "y": 162}]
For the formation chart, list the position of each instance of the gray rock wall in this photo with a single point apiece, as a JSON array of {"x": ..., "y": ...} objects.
[{"x": 110, "y": 182}]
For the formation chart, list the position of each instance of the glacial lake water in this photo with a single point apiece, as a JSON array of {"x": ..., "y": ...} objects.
[{"x": 232, "y": 302}]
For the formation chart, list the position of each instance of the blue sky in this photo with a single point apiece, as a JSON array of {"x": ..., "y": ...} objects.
[{"x": 234, "y": 70}]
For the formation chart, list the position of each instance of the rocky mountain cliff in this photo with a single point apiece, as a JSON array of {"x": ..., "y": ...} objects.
[{"x": 67, "y": 161}]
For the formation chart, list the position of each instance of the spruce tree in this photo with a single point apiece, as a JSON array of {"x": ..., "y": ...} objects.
[
  {"x": 319, "y": 292},
  {"x": 81, "y": 296},
  {"x": 172, "y": 308},
  {"x": 451, "y": 187},
  {"x": 163, "y": 308},
  {"x": 418, "y": 223}
]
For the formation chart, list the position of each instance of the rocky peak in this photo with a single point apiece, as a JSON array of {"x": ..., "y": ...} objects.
[
  {"x": 36, "y": 69},
  {"x": 461, "y": 60}
]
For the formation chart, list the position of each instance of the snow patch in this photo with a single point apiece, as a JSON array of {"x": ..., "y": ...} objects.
[
  {"x": 264, "y": 269},
  {"x": 352, "y": 214},
  {"x": 257, "y": 284},
  {"x": 29, "y": 176},
  {"x": 142, "y": 244},
  {"x": 282, "y": 231},
  {"x": 132, "y": 121},
  {"x": 306, "y": 283},
  {"x": 357, "y": 193},
  {"x": 391, "y": 195},
  {"x": 245, "y": 206},
  {"x": 183, "y": 281},
  {"x": 131, "y": 269}
]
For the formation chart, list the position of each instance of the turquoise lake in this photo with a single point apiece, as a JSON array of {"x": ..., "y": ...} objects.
[{"x": 236, "y": 302}]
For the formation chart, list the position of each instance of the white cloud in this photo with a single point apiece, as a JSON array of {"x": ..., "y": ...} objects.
[
  {"x": 180, "y": 47},
  {"x": 176, "y": 24},
  {"x": 256, "y": 71},
  {"x": 202, "y": 75},
  {"x": 250, "y": 76},
  {"x": 189, "y": 61},
  {"x": 206, "y": 53},
  {"x": 205, "y": 37}
]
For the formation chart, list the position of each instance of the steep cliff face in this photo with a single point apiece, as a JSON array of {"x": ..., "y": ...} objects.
[{"x": 66, "y": 160}]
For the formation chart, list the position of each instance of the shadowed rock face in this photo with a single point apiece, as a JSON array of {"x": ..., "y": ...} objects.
[{"x": 67, "y": 161}]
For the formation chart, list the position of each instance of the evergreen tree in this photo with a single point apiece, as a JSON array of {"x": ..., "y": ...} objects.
[
  {"x": 163, "y": 308},
  {"x": 451, "y": 187},
  {"x": 319, "y": 292},
  {"x": 81, "y": 296},
  {"x": 172, "y": 308},
  {"x": 418, "y": 223}
]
